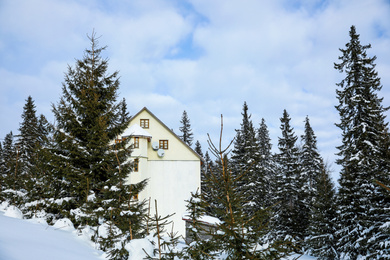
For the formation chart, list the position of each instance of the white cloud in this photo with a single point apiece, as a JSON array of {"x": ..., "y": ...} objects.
[{"x": 273, "y": 54}]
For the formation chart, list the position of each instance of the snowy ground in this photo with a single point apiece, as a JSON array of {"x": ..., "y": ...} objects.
[{"x": 33, "y": 239}]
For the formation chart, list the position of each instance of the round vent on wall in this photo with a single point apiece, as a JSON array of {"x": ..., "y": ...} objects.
[
  {"x": 155, "y": 146},
  {"x": 160, "y": 153}
]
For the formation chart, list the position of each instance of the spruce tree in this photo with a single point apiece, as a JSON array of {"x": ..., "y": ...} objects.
[
  {"x": 185, "y": 129},
  {"x": 245, "y": 160},
  {"x": 321, "y": 241},
  {"x": 263, "y": 197},
  {"x": 10, "y": 170},
  {"x": 28, "y": 139},
  {"x": 291, "y": 218},
  {"x": 198, "y": 148},
  {"x": 363, "y": 155},
  {"x": 238, "y": 235},
  {"x": 33, "y": 133},
  {"x": 92, "y": 167},
  {"x": 311, "y": 162}
]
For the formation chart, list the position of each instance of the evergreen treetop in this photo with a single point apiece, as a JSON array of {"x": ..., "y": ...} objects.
[
  {"x": 185, "y": 129},
  {"x": 363, "y": 154}
]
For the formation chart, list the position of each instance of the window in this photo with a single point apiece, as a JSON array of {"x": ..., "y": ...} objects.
[
  {"x": 144, "y": 123},
  {"x": 135, "y": 197},
  {"x": 135, "y": 165},
  {"x": 136, "y": 142},
  {"x": 118, "y": 140},
  {"x": 163, "y": 144}
]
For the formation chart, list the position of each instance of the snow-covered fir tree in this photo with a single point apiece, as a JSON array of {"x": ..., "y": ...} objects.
[
  {"x": 311, "y": 162},
  {"x": 31, "y": 140},
  {"x": 363, "y": 156},
  {"x": 291, "y": 219},
  {"x": 10, "y": 172},
  {"x": 263, "y": 196},
  {"x": 238, "y": 235},
  {"x": 245, "y": 161},
  {"x": 185, "y": 129},
  {"x": 321, "y": 239},
  {"x": 89, "y": 120}
]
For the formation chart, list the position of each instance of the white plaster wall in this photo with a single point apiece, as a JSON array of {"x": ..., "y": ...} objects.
[{"x": 171, "y": 184}]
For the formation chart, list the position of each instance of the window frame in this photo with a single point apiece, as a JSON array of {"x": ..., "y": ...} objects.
[
  {"x": 136, "y": 142},
  {"x": 144, "y": 123},
  {"x": 136, "y": 165},
  {"x": 163, "y": 144}
]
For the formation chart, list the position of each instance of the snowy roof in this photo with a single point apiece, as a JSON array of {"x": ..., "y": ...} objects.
[
  {"x": 136, "y": 130},
  {"x": 208, "y": 220}
]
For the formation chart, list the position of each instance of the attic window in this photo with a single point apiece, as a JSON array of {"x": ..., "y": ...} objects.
[
  {"x": 136, "y": 142},
  {"x": 144, "y": 123},
  {"x": 163, "y": 144}
]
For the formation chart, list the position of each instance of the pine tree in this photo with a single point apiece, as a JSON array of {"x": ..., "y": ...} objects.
[
  {"x": 185, "y": 129},
  {"x": 245, "y": 160},
  {"x": 291, "y": 218},
  {"x": 321, "y": 241},
  {"x": 363, "y": 155}
]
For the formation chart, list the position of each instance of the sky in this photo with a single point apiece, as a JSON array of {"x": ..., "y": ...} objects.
[{"x": 204, "y": 57}]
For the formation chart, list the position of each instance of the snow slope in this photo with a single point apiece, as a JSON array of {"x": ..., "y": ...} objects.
[{"x": 33, "y": 239}]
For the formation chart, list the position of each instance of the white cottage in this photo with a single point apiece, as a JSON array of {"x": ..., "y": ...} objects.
[{"x": 171, "y": 166}]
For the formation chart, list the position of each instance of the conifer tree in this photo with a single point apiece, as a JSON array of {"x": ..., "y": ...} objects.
[
  {"x": 311, "y": 162},
  {"x": 321, "y": 241},
  {"x": 10, "y": 169},
  {"x": 363, "y": 155},
  {"x": 291, "y": 217},
  {"x": 237, "y": 235},
  {"x": 185, "y": 129},
  {"x": 208, "y": 190},
  {"x": 29, "y": 137},
  {"x": 198, "y": 148},
  {"x": 88, "y": 120},
  {"x": 199, "y": 243},
  {"x": 92, "y": 168},
  {"x": 245, "y": 160},
  {"x": 32, "y": 138},
  {"x": 263, "y": 198},
  {"x": 2, "y": 171}
]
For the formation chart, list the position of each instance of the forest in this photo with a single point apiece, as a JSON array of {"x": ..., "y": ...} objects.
[{"x": 269, "y": 204}]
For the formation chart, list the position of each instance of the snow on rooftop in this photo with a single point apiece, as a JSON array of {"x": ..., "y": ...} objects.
[{"x": 136, "y": 130}]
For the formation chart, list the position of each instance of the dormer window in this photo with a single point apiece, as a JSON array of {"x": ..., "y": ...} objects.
[
  {"x": 163, "y": 144},
  {"x": 144, "y": 123}
]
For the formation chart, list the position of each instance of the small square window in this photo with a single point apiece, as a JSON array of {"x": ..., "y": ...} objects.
[
  {"x": 135, "y": 165},
  {"x": 135, "y": 197},
  {"x": 136, "y": 142},
  {"x": 144, "y": 123},
  {"x": 163, "y": 144}
]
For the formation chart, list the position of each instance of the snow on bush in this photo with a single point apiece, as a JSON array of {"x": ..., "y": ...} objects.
[
  {"x": 13, "y": 212},
  {"x": 64, "y": 224}
]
